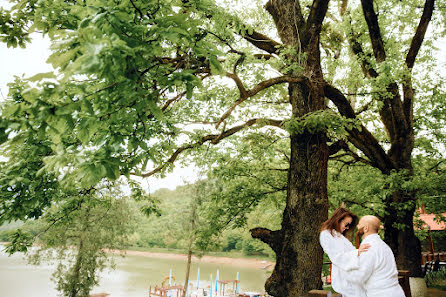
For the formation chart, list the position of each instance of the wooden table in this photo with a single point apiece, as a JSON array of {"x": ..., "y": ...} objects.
[
  {"x": 223, "y": 284},
  {"x": 162, "y": 291}
]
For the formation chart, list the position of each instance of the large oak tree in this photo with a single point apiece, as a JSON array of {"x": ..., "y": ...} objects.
[{"x": 140, "y": 84}]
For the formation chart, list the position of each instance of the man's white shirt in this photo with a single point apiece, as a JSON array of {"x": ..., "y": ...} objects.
[{"x": 377, "y": 271}]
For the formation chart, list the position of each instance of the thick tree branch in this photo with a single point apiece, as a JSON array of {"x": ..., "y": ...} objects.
[
  {"x": 375, "y": 34},
  {"x": 262, "y": 42},
  {"x": 355, "y": 156},
  {"x": 392, "y": 114},
  {"x": 245, "y": 94},
  {"x": 314, "y": 21},
  {"x": 408, "y": 91},
  {"x": 360, "y": 138},
  {"x": 271, "y": 238},
  {"x": 357, "y": 49},
  {"x": 336, "y": 147},
  {"x": 418, "y": 38},
  {"x": 287, "y": 16},
  {"x": 214, "y": 139}
]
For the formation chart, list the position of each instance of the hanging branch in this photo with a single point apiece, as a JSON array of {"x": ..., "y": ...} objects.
[{"x": 214, "y": 139}]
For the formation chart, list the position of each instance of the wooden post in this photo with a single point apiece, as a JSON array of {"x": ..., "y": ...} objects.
[{"x": 403, "y": 279}]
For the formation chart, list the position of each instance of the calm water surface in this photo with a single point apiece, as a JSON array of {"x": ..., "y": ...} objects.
[{"x": 132, "y": 277}]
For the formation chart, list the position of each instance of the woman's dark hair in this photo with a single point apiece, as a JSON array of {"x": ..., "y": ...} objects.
[{"x": 334, "y": 222}]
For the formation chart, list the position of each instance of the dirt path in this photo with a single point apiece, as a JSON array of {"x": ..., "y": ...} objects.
[{"x": 252, "y": 263}]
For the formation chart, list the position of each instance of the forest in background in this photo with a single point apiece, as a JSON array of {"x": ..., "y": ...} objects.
[{"x": 164, "y": 230}]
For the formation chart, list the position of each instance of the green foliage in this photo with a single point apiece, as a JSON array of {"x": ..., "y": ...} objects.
[
  {"x": 25, "y": 194},
  {"x": 13, "y": 30},
  {"x": 136, "y": 80},
  {"x": 436, "y": 279},
  {"x": 361, "y": 189},
  {"x": 324, "y": 121},
  {"x": 20, "y": 242},
  {"x": 78, "y": 239},
  {"x": 172, "y": 230}
]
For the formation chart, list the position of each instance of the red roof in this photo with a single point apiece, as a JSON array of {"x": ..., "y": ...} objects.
[{"x": 432, "y": 224}]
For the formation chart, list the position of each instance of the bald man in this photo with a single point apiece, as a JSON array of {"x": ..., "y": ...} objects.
[{"x": 377, "y": 271}]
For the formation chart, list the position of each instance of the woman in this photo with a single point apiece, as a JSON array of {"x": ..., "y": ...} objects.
[{"x": 341, "y": 251}]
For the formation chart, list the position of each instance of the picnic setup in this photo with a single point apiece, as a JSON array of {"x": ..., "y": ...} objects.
[{"x": 213, "y": 287}]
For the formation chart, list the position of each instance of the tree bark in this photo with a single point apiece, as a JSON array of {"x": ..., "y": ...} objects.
[
  {"x": 299, "y": 259},
  {"x": 189, "y": 260},
  {"x": 400, "y": 234},
  {"x": 298, "y": 252}
]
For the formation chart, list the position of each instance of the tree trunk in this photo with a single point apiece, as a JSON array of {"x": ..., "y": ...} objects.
[
  {"x": 400, "y": 208},
  {"x": 401, "y": 238},
  {"x": 298, "y": 252},
  {"x": 75, "y": 279},
  {"x": 189, "y": 260},
  {"x": 299, "y": 261}
]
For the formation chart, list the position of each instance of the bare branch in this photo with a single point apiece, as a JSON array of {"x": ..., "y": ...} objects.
[
  {"x": 239, "y": 84},
  {"x": 354, "y": 155},
  {"x": 365, "y": 107},
  {"x": 103, "y": 89},
  {"x": 263, "y": 56},
  {"x": 172, "y": 100},
  {"x": 343, "y": 7},
  {"x": 141, "y": 16}
]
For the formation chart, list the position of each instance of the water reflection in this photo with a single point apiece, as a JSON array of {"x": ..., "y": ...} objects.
[{"x": 132, "y": 277}]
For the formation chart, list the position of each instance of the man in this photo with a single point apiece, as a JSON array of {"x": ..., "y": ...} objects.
[{"x": 377, "y": 271}]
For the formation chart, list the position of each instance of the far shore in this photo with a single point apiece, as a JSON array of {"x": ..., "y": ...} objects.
[{"x": 243, "y": 262}]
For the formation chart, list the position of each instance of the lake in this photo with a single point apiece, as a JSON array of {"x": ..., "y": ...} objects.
[{"x": 131, "y": 278}]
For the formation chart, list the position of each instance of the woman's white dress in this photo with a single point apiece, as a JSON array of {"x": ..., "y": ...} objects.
[{"x": 344, "y": 257}]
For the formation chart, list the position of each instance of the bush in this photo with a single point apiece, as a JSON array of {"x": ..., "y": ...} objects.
[
  {"x": 233, "y": 242},
  {"x": 436, "y": 279}
]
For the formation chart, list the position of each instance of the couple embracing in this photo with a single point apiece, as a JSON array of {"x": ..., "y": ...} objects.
[{"x": 370, "y": 270}]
